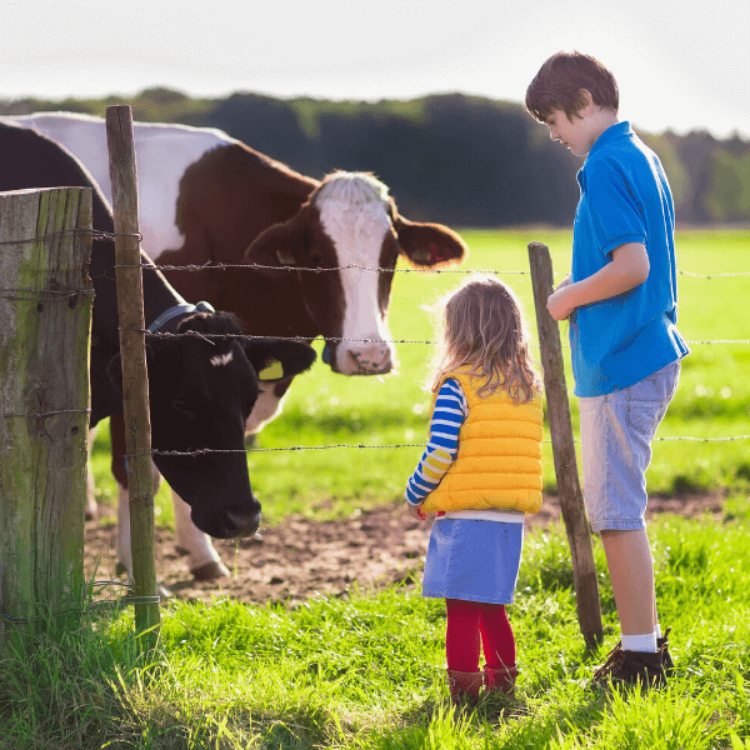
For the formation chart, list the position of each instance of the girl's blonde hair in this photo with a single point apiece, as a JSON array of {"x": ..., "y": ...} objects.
[{"x": 482, "y": 328}]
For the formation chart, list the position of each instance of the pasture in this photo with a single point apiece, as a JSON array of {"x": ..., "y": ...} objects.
[
  {"x": 364, "y": 669},
  {"x": 712, "y": 401}
]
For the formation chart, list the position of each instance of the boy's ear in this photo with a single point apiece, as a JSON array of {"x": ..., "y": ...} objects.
[{"x": 585, "y": 103}]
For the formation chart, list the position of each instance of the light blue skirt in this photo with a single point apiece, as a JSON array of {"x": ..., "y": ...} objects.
[{"x": 473, "y": 560}]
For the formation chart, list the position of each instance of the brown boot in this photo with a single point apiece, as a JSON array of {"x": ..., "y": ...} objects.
[
  {"x": 501, "y": 680},
  {"x": 464, "y": 686},
  {"x": 662, "y": 646},
  {"x": 630, "y": 668}
]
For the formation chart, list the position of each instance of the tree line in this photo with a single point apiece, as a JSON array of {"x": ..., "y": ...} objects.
[{"x": 462, "y": 160}]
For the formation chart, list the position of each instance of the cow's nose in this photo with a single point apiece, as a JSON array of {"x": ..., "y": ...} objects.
[
  {"x": 241, "y": 524},
  {"x": 374, "y": 359}
]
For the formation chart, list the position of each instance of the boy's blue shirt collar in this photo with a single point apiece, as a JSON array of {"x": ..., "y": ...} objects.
[
  {"x": 611, "y": 134},
  {"x": 618, "y": 130}
]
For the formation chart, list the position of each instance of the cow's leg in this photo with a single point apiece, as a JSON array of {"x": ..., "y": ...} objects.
[
  {"x": 268, "y": 406},
  {"x": 124, "y": 554},
  {"x": 91, "y": 507},
  {"x": 203, "y": 560}
]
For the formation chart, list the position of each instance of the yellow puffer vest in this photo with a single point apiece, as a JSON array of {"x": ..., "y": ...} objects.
[{"x": 499, "y": 461}]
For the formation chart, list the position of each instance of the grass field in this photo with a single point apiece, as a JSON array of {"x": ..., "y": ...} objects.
[
  {"x": 713, "y": 399},
  {"x": 366, "y": 670}
]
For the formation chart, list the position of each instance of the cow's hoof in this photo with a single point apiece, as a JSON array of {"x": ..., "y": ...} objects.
[{"x": 210, "y": 571}]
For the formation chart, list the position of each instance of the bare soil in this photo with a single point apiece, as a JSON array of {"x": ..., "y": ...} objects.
[{"x": 301, "y": 558}]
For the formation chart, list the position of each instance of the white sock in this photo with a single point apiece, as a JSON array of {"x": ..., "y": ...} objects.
[
  {"x": 657, "y": 629},
  {"x": 645, "y": 642}
]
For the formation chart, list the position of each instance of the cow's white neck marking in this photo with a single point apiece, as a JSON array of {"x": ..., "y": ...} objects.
[
  {"x": 354, "y": 214},
  {"x": 222, "y": 359}
]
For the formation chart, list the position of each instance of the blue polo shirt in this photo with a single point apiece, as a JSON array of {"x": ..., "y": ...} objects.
[{"x": 625, "y": 197}]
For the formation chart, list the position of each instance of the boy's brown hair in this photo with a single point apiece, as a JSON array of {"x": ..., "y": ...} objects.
[{"x": 559, "y": 82}]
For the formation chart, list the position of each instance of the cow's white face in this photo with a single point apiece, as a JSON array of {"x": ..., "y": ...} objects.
[{"x": 354, "y": 214}]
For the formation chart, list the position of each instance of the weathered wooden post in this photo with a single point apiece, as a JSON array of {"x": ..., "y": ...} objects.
[
  {"x": 46, "y": 299},
  {"x": 124, "y": 176},
  {"x": 563, "y": 447}
]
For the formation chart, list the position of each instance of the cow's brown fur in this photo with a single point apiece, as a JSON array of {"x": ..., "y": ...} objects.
[{"x": 237, "y": 206}]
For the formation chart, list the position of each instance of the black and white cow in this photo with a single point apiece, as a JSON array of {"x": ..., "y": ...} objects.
[
  {"x": 206, "y": 198},
  {"x": 201, "y": 393}
]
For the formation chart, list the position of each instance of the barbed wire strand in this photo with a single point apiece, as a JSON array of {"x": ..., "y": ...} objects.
[
  {"x": 362, "y": 446},
  {"x": 102, "y": 235},
  {"x": 338, "y": 339},
  {"x": 44, "y": 414},
  {"x": 54, "y": 294},
  {"x": 191, "y": 267},
  {"x": 96, "y": 234},
  {"x": 95, "y": 605},
  {"x": 712, "y": 275}
]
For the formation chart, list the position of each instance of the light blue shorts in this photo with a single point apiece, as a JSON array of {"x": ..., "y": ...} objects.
[{"x": 616, "y": 434}]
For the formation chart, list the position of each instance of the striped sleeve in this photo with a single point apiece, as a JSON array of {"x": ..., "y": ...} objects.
[{"x": 448, "y": 416}]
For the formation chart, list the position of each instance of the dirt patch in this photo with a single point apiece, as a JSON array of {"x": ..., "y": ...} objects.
[{"x": 301, "y": 558}]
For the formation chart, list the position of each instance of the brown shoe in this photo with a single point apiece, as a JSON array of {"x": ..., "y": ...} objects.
[
  {"x": 464, "y": 686},
  {"x": 501, "y": 680},
  {"x": 662, "y": 645},
  {"x": 630, "y": 668}
]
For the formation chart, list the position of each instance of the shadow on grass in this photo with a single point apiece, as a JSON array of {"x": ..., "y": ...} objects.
[{"x": 497, "y": 722}]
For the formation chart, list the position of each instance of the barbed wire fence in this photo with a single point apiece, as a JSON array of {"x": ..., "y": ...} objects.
[
  {"x": 52, "y": 294},
  {"x": 46, "y": 295},
  {"x": 337, "y": 339}
]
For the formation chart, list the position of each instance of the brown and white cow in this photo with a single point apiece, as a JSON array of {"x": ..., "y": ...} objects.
[{"x": 206, "y": 198}]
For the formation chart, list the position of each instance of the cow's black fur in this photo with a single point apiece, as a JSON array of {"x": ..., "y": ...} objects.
[{"x": 194, "y": 405}]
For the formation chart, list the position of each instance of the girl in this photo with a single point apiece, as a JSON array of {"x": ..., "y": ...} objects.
[{"x": 481, "y": 472}]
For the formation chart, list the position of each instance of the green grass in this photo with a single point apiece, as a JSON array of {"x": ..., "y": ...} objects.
[
  {"x": 713, "y": 399},
  {"x": 367, "y": 671}
]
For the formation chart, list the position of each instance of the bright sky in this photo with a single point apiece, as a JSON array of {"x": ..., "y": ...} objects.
[{"x": 680, "y": 64}]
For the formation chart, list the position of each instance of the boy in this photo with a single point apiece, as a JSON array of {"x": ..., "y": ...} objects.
[{"x": 621, "y": 300}]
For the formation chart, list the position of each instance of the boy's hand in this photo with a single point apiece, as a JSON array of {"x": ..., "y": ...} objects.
[
  {"x": 561, "y": 303},
  {"x": 416, "y": 512}
]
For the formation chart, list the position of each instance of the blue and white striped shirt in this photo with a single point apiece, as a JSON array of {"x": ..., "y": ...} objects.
[{"x": 449, "y": 414}]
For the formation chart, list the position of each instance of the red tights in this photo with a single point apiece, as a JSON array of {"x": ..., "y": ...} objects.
[{"x": 472, "y": 622}]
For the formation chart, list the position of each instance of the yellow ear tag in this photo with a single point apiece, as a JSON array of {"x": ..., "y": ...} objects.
[{"x": 272, "y": 371}]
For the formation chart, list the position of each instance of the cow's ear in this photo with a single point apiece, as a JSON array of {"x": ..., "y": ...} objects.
[
  {"x": 282, "y": 244},
  {"x": 114, "y": 368},
  {"x": 428, "y": 245},
  {"x": 277, "y": 359}
]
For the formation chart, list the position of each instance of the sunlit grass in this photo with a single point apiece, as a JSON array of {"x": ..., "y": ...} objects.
[{"x": 367, "y": 670}]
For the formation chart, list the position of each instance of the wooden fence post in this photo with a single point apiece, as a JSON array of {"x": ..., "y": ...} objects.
[
  {"x": 123, "y": 173},
  {"x": 563, "y": 447},
  {"x": 46, "y": 300}
]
